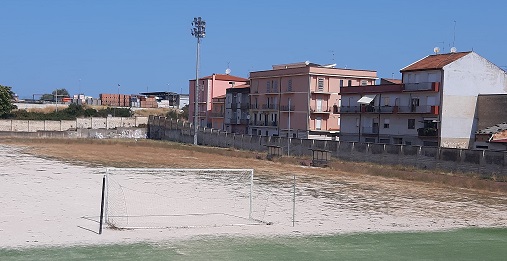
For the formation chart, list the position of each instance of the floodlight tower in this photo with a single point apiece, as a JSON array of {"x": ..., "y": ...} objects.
[{"x": 198, "y": 31}]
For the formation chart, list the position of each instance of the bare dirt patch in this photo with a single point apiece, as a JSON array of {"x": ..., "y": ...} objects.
[{"x": 48, "y": 193}]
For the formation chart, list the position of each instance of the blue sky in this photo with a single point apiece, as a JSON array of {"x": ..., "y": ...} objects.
[{"x": 92, "y": 46}]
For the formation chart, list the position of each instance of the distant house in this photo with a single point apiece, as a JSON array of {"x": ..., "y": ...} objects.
[
  {"x": 210, "y": 87},
  {"x": 434, "y": 105},
  {"x": 237, "y": 105}
]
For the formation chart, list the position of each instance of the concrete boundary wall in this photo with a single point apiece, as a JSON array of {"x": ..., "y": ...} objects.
[
  {"x": 64, "y": 125},
  {"x": 484, "y": 163},
  {"x": 118, "y": 133}
]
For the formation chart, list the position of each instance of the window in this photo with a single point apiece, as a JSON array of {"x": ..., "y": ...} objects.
[
  {"x": 350, "y": 83},
  {"x": 364, "y": 82},
  {"x": 341, "y": 83},
  {"x": 386, "y": 123},
  {"x": 335, "y": 109},
  {"x": 318, "y": 123},
  {"x": 268, "y": 86},
  {"x": 411, "y": 124},
  {"x": 357, "y": 122},
  {"x": 321, "y": 84},
  {"x": 385, "y": 141},
  {"x": 369, "y": 140},
  {"x": 275, "y": 86},
  {"x": 289, "y": 85},
  {"x": 386, "y": 101}
]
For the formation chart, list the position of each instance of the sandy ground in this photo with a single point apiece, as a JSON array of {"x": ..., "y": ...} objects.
[{"x": 44, "y": 200}]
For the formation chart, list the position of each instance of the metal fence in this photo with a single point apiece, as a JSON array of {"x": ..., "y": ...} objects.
[{"x": 482, "y": 162}]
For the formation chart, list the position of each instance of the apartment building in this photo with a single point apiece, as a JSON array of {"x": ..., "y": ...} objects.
[
  {"x": 300, "y": 99},
  {"x": 434, "y": 105},
  {"x": 218, "y": 112},
  {"x": 210, "y": 87},
  {"x": 117, "y": 100},
  {"x": 237, "y": 104}
]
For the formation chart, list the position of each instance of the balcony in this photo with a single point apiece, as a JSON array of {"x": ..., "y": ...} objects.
[
  {"x": 349, "y": 109},
  {"x": 320, "y": 111},
  {"x": 372, "y": 89},
  {"x": 369, "y": 130},
  {"x": 271, "y": 92},
  {"x": 433, "y": 110},
  {"x": 390, "y": 88},
  {"x": 321, "y": 91},
  {"x": 422, "y": 86},
  {"x": 427, "y": 132},
  {"x": 269, "y": 106},
  {"x": 254, "y": 107},
  {"x": 286, "y": 108},
  {"x": 268, "y": 124},
  {"x": 217, "y": 115}
]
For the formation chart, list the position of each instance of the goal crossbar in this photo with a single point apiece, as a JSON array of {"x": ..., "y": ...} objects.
[{"x": 177, "y": 188}]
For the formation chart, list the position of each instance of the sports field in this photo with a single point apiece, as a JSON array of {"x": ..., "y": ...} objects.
[
  {"x": 463, "y": 244},
  {"x": 50, "y": 193}
]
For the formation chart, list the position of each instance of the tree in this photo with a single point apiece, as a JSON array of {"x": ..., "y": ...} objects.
[
  {"x": 6, "y": 98},
  {"x": 52, "y": 97}
]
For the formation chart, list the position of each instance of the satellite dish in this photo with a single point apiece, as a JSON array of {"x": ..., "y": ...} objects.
[
  {"x": 436, "y": 50},
  {"x": 227, "y": 71},
  {"x": 453, "y": 49}
]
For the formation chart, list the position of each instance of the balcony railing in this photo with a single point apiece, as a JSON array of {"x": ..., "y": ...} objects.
[
  {"x": 255, "y": 106},
  {"x": 269, "y": 106},
  {"x": 422, "y": 86},
  {"x": 217, "y": 114},
  {"x": 269, "y": 123},
  {"x": 419, "y": 109},
  {"x": 434, "y": 110},
  {"x": 321, "y": 110},
  {"x": 369, "y": 130},
  {"x": 286, "y": 108},
  {"x": 427, "y": 132},
  {"x": 350, "y": 109}
]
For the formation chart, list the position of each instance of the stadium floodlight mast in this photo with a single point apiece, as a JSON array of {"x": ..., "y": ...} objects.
[{"x": 198, "y": 31}]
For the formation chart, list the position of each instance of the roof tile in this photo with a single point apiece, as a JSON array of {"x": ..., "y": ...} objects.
[{"x": 434, "y": 62}]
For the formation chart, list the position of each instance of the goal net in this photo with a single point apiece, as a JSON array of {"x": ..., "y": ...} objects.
[{"x": 176, "y": 198}]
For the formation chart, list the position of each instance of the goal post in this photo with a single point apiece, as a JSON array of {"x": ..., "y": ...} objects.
[{"x": 174, "y": 198}]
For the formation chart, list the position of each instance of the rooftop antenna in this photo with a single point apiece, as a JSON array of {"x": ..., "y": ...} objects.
[
  {"x": 436, "y": 50},
  {"x": 454, "y": 35},
  {"x": 443, "y": 46},
  {"x": 332, "y": 53}
]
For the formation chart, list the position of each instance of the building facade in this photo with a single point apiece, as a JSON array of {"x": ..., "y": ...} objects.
[
  {"x": 209, "y": 87},
  {"x": 237, "y": 105},
  {"x": 300, "y": 99},
  {"x": 435, "y": 105}
]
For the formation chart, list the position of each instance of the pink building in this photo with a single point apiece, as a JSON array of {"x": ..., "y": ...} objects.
[
  {"x": 211, "y": 87},
  {"x": 305, "y": 93}
]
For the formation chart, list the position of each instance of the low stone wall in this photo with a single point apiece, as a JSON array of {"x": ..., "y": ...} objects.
[{"x": 486, "y": 163}]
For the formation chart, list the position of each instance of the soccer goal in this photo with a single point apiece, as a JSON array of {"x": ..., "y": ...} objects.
[{"x": 178, "y": 198}]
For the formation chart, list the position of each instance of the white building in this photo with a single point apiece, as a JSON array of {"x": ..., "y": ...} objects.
[{"x": 435, "y": 105}]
